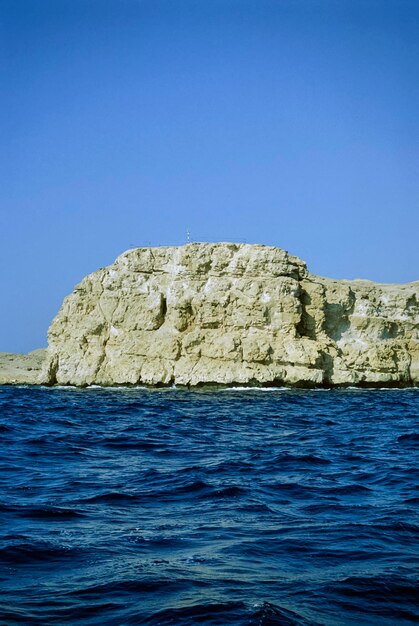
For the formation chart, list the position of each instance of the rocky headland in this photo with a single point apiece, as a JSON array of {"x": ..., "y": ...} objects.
[
  {"x": 231, "y": 314},
  {"x": 225, "y": 314}
]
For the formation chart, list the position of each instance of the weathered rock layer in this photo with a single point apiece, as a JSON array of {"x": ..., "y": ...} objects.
[{"x": 231, "y": 314}]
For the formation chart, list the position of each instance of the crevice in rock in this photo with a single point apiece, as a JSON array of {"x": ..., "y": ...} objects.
[
  {"x": 306, "y": 327},
  {"x": 52, "y": 369},
  {"x": 163, "y": 307},
  {"x": 327, "y": 365}
]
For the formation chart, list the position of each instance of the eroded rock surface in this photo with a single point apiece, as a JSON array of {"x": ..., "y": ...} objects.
[{"x": 231, "y": 314}]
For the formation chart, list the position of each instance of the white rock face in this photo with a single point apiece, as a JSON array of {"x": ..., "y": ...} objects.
[{"x": 231, "y": 314}]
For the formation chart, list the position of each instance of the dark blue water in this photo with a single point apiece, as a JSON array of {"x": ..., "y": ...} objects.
[{"x": 212, "y": 507}]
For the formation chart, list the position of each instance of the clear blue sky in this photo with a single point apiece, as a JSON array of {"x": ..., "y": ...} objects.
[{"x": 123, "y": 122}]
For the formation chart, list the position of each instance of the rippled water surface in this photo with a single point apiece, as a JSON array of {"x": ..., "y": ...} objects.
[{"x": 247, "y": 507}]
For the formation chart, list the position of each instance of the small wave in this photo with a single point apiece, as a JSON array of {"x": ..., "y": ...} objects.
[
  {"x": 28, "y": 552},
  {"x": 203, "y": 490},
  {"x": 111, "y": 497},
  {"x": 399, "y": 527},
  {"x": 148, "y": 585},
  {"x": 231, "y": 491},
  {"x": 41, "y": 512},
  {"x": 348, "y": 489},
  {"x": 132, "y": 388},
  {"x": 176, "y": 489},
  {"x": 120, "y": 387},
  {"x": 290, "y": 489},
  {"x": 42, "y": 440},
  {"x": 64, "y": 387},
  {"x": 378, "y": 588},
  {"x": 409, "y": 438},
  {"x": 124, "y": 443},
  {"x": 157, "y": 542},
  {"x": 48, "y": 513},
  {"x": 325, "y": 507},
  {"x": 398, "y": 388},
  {"x": 193, "y": 487},
  {"x": 217, "y": 613},
  {"x": 269, "y": 613},
  {"x": 256, "y": 508},
  {"x": 244, "y": 388},
  {"x": 295, "y": 460},
  {"x": 223, "y": 613}
]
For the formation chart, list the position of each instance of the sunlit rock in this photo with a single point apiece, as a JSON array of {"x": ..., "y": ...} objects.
[{"x": 231, "y": 313}]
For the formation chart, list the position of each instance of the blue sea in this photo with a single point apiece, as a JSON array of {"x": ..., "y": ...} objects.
[{"x": 244, "y": 506}]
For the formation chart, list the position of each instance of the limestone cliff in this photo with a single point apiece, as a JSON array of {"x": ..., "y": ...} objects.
[{"x": 231, "y": 314}]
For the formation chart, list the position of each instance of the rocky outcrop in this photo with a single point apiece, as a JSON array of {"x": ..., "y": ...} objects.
[
  {"x": 20, "y": 369},
  {"x": 231, "y": 314}
]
